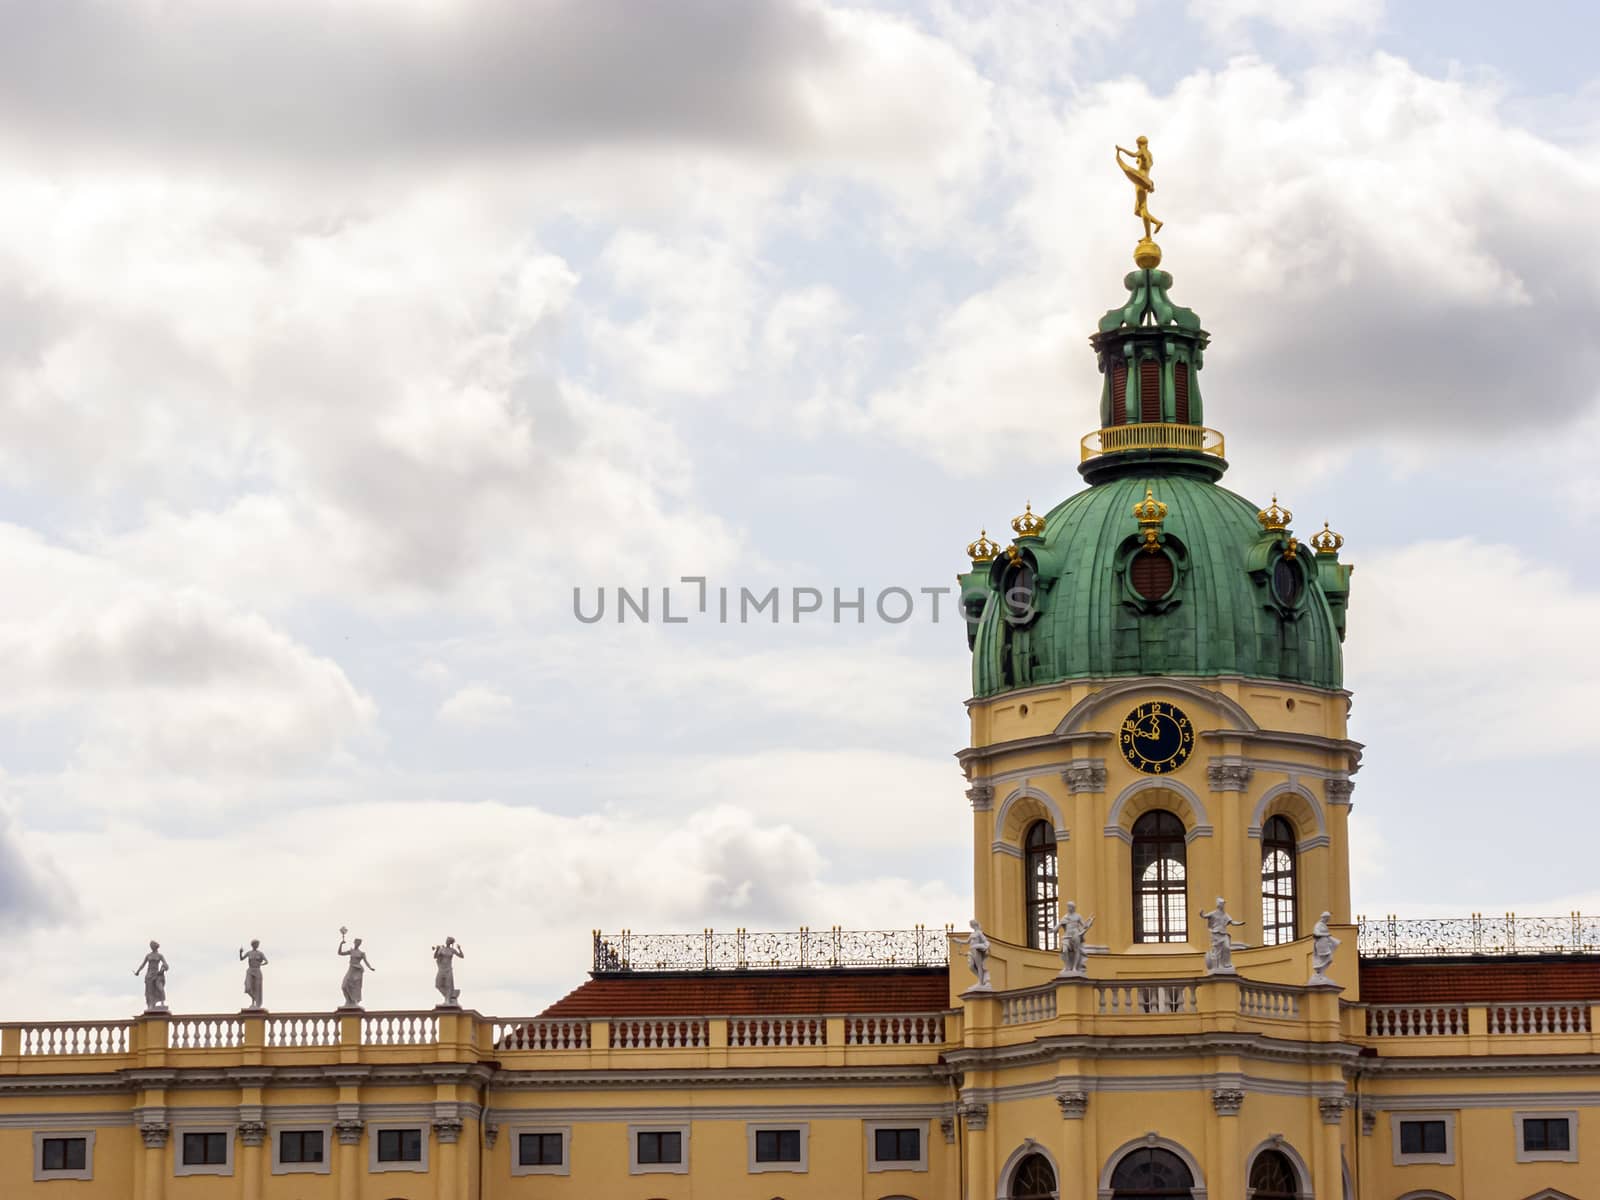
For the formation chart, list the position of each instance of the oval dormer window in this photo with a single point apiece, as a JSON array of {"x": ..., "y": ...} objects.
[
  {"x": 1151, "y": 574},
  {"x": 1017, "y": 592},
  {"x": 1287, "y": 582}
]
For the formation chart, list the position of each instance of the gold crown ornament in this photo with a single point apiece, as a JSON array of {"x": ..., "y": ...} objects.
[
  {"x": 1326, "y": 542},
  {"x": 1029, "y": 524},
  {"x": 1274, "y": 518},
  {"x": 983, "y": 550},
  {"x": 1150, "y": 513}
]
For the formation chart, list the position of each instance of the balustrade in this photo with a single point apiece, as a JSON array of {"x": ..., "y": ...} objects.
[
  {"x": 97, "y": 1037},
  {"x": 656, "y": 1033},
  {"x": 399, "y": 1029},
  {"x": 1145, "y": 999},
  {"x": 911, "y": 1029},
  {"x": 1268, "y": 1002},
  {"x": 205, "y": 1033},
  {"x": 1538, "y": 1018},
  {"x": 302, "y": 1031},
  {"x": 540, "y": 1035},
  {"x": 777, "y": 1031},
  {"x": 1416, "y": 1020},
  {"x": 1028, "y": 1006}
]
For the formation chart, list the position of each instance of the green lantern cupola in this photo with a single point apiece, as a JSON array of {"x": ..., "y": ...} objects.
[{"x": 1151, "y": 413}]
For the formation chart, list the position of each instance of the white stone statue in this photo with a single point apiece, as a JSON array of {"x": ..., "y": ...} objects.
[
  {"x": 977, "y": 955},
  {"x": 154, "y": 966},
  {"x": 254, "y": 960},
  {"x": 359, "y": 963},
  {"x": 1219, "y": 959},
  {"x": 1070, "y": 932},
  {"x": 444, "y": 978},
  {"x": 1323, "y": 944}
]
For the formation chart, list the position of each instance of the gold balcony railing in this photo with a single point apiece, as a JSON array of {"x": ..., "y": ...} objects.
[{"x": 1151, "y": 436}]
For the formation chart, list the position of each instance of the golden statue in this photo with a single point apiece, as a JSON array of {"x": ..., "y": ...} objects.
[{"x": 1147, "y": 254}]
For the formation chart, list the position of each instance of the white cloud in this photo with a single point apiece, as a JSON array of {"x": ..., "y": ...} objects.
[
  {"x": 1305, "y": 18},
  {"x": 477, "y": 706},
  {"x": 1459, "y": 635}
]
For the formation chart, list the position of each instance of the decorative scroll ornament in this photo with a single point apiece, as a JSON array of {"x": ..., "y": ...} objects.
[
  {"x": 349, "y": 1132},
  {"x": 252, "y": 1133},
  {"x": 1029, "y": 524},
  {"x": 743, "y": 949},
  {"x": 1327, "y": 541},
  {"x": 983, "y": 550},
  {"x": 1458, "y": 937},
  {"x": 975, "y": 1114},
  {"x": 1073, "y": 1105},
  {"x": 1274, "y": 518},
  {"x": 1150, "y": 513},
  {"x": 1332, "y": 1109},
  {"x": 447, "y": 1131},
  {"x": 154, "y": 1134}
]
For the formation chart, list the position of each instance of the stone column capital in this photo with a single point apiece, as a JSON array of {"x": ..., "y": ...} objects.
[
  {"x": 252, "y": 1133},
  {"x": 349, "y": 1132},
  {"x": 1229, "y": 776},
  {"x": 1227, "y": 1101},
  {"x": 1087, "y": 776},
  {"x": 448, "y": 1131},
  {"x": 154, "y": 1134},
  {"x": 1332, "y": 1109},
  {"x": 1073, "y": 1105}
]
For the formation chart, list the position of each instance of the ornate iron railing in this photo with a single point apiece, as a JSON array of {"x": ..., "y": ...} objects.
[
  {"x": 1457, "y": 937},
  {"x": 747, "y": 950},
  {"x": 1153, "y": 435}
]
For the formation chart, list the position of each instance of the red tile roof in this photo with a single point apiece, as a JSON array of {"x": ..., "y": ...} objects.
[
  {"x": 773, "y": 993},
  {"x": 1424, "y": 981}
]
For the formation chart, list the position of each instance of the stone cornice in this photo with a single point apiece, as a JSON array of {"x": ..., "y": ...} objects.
[
  {"x": 1177, "y": 1045},
  {"x": 723, "y": 1077}
]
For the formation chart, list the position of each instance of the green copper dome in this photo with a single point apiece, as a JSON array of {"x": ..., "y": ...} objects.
[{"x": 1155, "y": 569}]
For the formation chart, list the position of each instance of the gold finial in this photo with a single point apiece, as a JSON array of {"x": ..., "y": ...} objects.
[
  {"x": 1029, "y": 524},
  {"x": 1274, "y": 518},
  {"x": 983, "y": 550},
  {"x": 1150, "y": 512},
  {"x": 1146, "y": 255},
  {"x": 1326, "y": 542}
]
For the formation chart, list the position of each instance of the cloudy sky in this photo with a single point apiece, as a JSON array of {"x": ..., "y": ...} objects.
[{"x": 341, "y": 341}]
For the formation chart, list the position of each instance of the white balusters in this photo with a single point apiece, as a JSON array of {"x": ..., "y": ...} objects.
[
  {"x": 1416, "y": 1020},
  {"x": 1144, "y": 999},
  {"x": 1028, "y": 1006},
  {"x": 658, "y": 1033},
  {"x": 399, "y": 1029},
  {"x": 102, "y": 1037},
  {"x": 302, "y": 1031},
  {"x": 541, "y": 1035},
  {"x": 777, "y": 1031},
  {"x": 205, "y": 1033},
  {"x": 1538, "y": 1018},
  {"x": 1268, "y": 1002},
  {"x": 911, "y": 1029}
]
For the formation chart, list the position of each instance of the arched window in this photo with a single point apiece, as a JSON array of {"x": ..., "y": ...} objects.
[
  {"x": 1278, "y": 899},
  {"x": 1034, "y": 1179},
  {"x": 1160, "y": 879},
  {"x": 1043, "y": 886},
  {"x": 1151, "y": 1172},
  {"x": 1273, "y": 1177}
]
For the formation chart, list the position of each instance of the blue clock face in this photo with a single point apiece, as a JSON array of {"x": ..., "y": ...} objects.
[{"x": 1157, "y": 738}]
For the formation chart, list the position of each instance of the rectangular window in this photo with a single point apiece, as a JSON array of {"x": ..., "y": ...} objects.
[
  {"x": 1546, "y": 1133},
  {"x": 205, "y": 1149},
  {"x": 540, "y": 1150},
  {"x": 897, "y": 1145},
  {"x": 399, "y": 1145},
  {"x": 300, "y": 1146},
  {"x": 661, "y": 1147},
  {"x": 1422, "y": 1137},
  {"x": 777, "y": 1145},
  {"x": 64, "y": 1154}
]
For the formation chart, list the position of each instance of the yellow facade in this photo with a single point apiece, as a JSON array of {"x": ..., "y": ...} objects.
[{"x": 1147, "y": 1050}]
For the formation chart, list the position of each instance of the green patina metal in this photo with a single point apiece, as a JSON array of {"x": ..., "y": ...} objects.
[{"x": 1230, "y": 609}]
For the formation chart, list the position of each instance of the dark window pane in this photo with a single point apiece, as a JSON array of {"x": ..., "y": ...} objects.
[
  {"x": 1272, "y": 1178},
  {"x": 897, "y": 1145},
  {"x": 64, "y": 1154},
  {"x": 399, "y": 1145},
  {"x": 661, "y": 1147},
  {"x": 205, "y": 1149},
  {"x": 1546, "y": 1133},
  {"x": 300, "y": 1146},
  {"x": 539, "y": 1149},
  {"x": 1151, "y": 1172},
  {"x": 1422, "y": 1137},
  {"x": 777, "y": 1145}
]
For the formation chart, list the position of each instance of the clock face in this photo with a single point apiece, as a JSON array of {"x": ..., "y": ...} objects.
[{"x": 1157, "y": 738}]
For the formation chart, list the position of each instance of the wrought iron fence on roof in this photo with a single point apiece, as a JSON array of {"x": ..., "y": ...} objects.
[
  {"x": 1447, "y": 937},
  {"x": 749, "y": 950}
]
